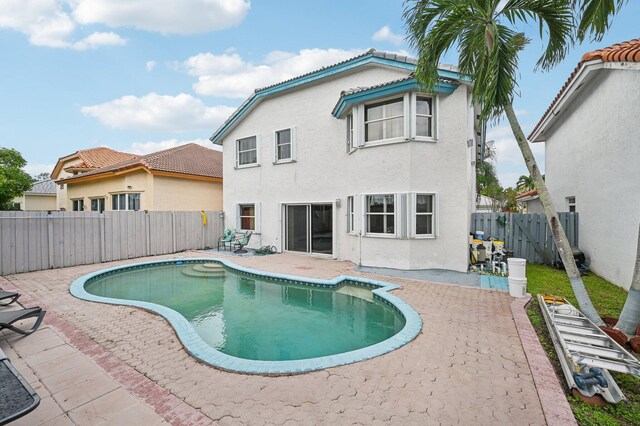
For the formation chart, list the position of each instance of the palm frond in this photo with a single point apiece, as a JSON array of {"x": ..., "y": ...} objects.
[{"x": 595, "y": 16}]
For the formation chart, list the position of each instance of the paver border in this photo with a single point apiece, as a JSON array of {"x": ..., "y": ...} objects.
[
  {"x": 200, "y": 350},
  {"x": 555, "y": 407}
]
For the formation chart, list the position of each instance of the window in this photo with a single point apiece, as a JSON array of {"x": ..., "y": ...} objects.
[
  {"x": 424, "y": 116},
  {"x": 284, "y": 145},
  {"x": 571, "y": 204},
  {"x": 247, "y": 151},
  {"x": 62, "y": 186},
  {"x": 384, "y": 120},
  {"x": 380, "y": 214},
  {"x": 78, "y": 205},
  {"x": 125, "y": 201},
  {"x": 424, "y": 215},
  {"x": 351, "y": 215},
  {"x": 247, "y": 217},
  {"x": 97, "y": 205},
  {"x": 350, "y": 141}
]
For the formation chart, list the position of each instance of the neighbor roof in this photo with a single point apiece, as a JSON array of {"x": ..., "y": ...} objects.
[
  {"x": 94, "y": 158},
  {"x": 43, "y": 187},
  {"x": 627, "y": 51},
  {"x": 190, "y": 159},
  {"x": 371, "y": 56},
  {"x": 529, "y": 195}
]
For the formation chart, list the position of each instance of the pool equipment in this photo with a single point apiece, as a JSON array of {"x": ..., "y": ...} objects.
[{"x": 586, "y": 353}]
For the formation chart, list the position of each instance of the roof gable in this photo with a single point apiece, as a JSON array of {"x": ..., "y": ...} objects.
[
  {"x": 370, "y": 57},
  {"x": 92, "y": 158}
]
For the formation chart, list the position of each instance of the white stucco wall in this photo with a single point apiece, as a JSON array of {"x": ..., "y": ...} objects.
[
  {"x": 325, "y": 172},
  {"x": 593, "y": 153},
  {"x": 535, "y": 206}
]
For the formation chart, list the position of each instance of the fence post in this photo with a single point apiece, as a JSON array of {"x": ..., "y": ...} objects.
[
  {"x": 50, "y": 239},
  {"x": 173, "y": 232}
]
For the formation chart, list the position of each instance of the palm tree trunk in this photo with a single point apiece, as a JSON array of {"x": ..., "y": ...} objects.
[
  {"x": 630, "y": 316},
  {"x": 559, "y": 236}
]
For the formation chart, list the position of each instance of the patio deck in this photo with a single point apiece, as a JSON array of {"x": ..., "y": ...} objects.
[{"x": 467, "y": 366}]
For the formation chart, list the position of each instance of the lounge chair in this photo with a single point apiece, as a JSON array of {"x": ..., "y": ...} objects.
[
  {"x": 227, "y": 238},
  {"x": 18, "y": 395},
  {"x": 242, "y": 241},
  {"x": 9, "y": 317},
  {"x": 4, "y": 295}
]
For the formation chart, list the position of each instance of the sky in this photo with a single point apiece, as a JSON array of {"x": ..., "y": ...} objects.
[{"x": 144, "y": 75}]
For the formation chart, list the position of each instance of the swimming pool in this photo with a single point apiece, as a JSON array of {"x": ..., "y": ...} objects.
[{"x": 249, "y": 321}]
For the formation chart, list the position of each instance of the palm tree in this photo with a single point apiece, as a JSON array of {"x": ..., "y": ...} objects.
[
  {"x": 525, "y": 183},
  {"x": 483, "y": 31},
  {"x": 630, "y": 316}
]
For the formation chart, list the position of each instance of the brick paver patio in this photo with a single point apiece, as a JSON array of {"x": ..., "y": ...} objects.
[{"x": 466, "y": 367}]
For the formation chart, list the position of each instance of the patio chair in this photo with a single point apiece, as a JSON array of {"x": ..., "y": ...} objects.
[
  {"x": 227, "y": 238},
  {"x": 241, "y": 242},
  {"x": 9, "y": 317},
  {"x": 19, "y": 396},
  {"x": 4, "y": 295}
]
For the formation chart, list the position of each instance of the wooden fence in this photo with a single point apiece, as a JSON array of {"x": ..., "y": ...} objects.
[
  {"x": 33, "y": 240},
  {"x": 528, "y": 236}
]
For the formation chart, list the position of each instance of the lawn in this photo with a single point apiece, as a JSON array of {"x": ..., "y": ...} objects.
[{"x": 608, "y": 300}]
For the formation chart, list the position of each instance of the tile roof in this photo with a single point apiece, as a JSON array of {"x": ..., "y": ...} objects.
[
  {"x": 47, "y": 186},
  {"x": 189, "y": 159},
  {"x": 627, "y": 51},
  {"x": 531, "y": 193},
  {"x": 102, "y": 156}
]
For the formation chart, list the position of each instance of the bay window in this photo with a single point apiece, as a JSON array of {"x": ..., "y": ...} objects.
[
  {"x": 424, "y": 213},
  {"x": 384, "y": 120}
]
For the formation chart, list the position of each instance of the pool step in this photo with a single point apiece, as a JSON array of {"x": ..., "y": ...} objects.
[{"x": 212, "y": 270}]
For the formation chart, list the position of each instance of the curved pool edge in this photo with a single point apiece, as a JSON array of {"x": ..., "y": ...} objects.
[{"x": 199, "y": 349}]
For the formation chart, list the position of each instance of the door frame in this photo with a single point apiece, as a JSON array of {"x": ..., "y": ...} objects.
[{"x": 283, "y": 223}]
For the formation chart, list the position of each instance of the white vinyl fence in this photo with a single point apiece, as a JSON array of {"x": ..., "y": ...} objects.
[{"x": 34, "y": 240}]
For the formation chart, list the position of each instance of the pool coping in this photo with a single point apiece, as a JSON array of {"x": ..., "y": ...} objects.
[{"x": 200, "y": 350}]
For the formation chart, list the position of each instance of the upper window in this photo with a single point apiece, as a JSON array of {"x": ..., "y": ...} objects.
[
  {"x": 246, "y": 151},
  {"x": 125, "y": 201},
  {"x": 424, "y": 215},
  {"x": 380, "y": 214},
  {"x": 384, "y": 120},
  {"x": 247, "y": 217},
  {"x": 424, "y": 116},
  {"x": 78, "y": 205},
  {"x": 350, "y": 141},
  {"x": 284, "y": 145},
  {"x": 571, "y": 204},
  {"x": 351, "y": 214}
]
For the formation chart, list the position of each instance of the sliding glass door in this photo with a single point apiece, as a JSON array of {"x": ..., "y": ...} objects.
[{"x": 309, "y": 228}]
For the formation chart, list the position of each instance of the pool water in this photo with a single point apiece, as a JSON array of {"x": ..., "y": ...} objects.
[{"x": 258, "y": 319}]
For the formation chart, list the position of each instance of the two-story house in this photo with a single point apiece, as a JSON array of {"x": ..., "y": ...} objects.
[
  {"x": 592, "y": 150},
  {"x": 356, "y": 162}
]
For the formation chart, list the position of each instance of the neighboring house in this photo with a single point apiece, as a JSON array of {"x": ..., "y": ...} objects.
[
  {"x": 530, "y": 202},
  {"x": 41, "y": 196},
  {"x": 188, "y": 177},
  {"x": 81, "y": 162},
  {"x": 355, "y": 162},
  {"x": 592, "y": 151},
  {"x": 486, "y": 204}
]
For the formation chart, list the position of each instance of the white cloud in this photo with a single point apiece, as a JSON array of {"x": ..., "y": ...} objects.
[
  {"x": 154, "y": 112},
  {"x": 47, "y": 23},
  {"x": 52, "y": 23},
  {"x": 385, "y": 34},
  {"x": 36, "y": 169},
  {"x": 163, "y": 16},
  {"x": 509, "y": 162},
  {"x": 143, "y": 148},
  {"x": 151, "y": 65},
  {"x": 229, "y": 75}
]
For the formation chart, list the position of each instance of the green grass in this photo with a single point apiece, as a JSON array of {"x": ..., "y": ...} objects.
[{"x": 608, "y": 300}]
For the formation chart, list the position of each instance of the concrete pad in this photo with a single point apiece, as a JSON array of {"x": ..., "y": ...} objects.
[
  {"x": 62, "y": 420},
  {"x": 470, "y": 279},
  {"x": 72, "y": 377},
  {"x": 26, "y": 347},
  {"x": 62, "y": 364},
  {"x": 48, "y": 355},
  {"x": 47, "y": 410},
  {"x": 103, "y": 408},
  {"x": 86, "y": 391}
]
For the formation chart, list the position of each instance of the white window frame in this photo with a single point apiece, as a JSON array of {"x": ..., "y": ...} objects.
[
  {"x": 414, "y": 117},
  {"x": 414, "y": 216},
  {"x": 97, "y": 199},
  {"x": 571, "y": 202},
  {"x": 127, "y": 207},
  {"x": 365, "y": 214},
  {"x": 257, "y": 149},
  {"x": 405, "y": 115},
  {"x": 73, "y": 204},
  {"x": 351, "y": 133},
  {"x": 351, "y": 214},
  {"x": 292, "y": 146},
  {"x": 256, "y": 217}
]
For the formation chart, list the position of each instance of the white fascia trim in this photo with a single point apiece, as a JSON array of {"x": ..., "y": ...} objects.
[{"x": 566, "y": 97}]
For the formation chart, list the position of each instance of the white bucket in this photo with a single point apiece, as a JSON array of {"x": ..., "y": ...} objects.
[
  {"x": 517, "y": 267},
  {"x": 517, "y": 287},
  {"x": 479, "y": 235}
]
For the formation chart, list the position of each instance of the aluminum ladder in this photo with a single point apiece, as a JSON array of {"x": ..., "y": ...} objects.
[{"x": 586, "y": 353}]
